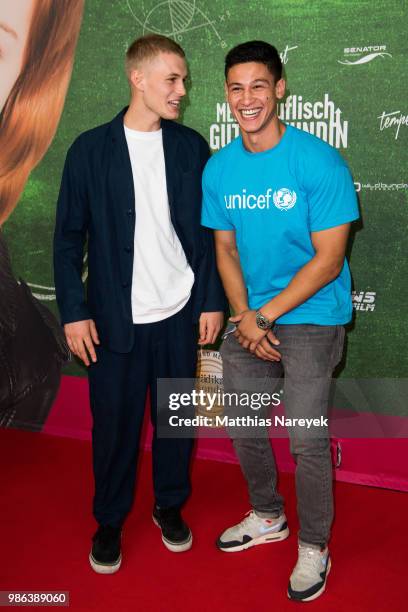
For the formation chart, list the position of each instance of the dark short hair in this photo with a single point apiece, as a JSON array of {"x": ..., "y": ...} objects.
[{"x": 255, "y": 51}]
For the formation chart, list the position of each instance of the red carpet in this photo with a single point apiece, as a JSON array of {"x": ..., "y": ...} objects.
[
  {"x": 377, "y": 459},
  {"x": 46, "y": 528}
]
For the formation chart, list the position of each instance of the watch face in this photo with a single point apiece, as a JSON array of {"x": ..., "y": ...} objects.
[{"x": 262, "y": 322}]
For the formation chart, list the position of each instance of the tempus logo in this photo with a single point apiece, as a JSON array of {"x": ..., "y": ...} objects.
[
  {"x": 354, "y": 56},
  {"x": 284, "y": 199},
  {"x": 394, "y": 120}
]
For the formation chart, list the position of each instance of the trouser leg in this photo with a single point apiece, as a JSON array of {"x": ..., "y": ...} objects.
[
  {"x": 252, "y": 445},
  {"x": 174, "y": 356},
  {"x": 309, "y": 355},
  {"x": 118, "y": 384}
]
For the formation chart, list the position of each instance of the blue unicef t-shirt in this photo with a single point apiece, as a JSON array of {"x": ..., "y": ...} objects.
[{"x": 274, "y": 200}]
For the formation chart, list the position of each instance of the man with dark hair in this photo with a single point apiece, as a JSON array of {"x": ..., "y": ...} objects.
[
  {"x": 255, "y": 51},
  {"x": 133, "y": 188},
  {"x": 281, "y": 202}
]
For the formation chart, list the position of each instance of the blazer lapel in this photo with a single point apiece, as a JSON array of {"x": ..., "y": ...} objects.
[
  {"x": 121, "y": 178},
  {"x": 173, "y": 178},
  {"x": 121, "y": 181}
]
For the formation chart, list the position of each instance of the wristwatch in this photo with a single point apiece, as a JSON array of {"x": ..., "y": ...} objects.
[{"x": 262, "y": 322}]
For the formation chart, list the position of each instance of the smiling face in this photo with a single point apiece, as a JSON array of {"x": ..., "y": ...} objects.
[
  {"x": 160, "y": 85},
  {"x": 15, "y": 17},
  {"x": 253, "y": 96}
]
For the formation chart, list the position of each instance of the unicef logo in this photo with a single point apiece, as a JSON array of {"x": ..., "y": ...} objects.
[{"x": 284, "y": 199}]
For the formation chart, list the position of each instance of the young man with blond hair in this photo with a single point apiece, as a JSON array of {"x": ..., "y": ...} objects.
[{"x": 132, "y": 187}]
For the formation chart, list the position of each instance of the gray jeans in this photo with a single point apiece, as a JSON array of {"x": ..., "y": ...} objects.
[{"x": 309, "y": 356}]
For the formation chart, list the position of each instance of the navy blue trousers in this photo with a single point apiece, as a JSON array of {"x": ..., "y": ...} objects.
[{"x": 118, "y": 387}]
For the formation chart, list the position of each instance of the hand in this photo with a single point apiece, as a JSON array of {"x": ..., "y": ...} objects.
[
  {"x": 248, "y": 333},
  {"x": 210, "y": 326},
  {"x": 265, "y": 351},
  {"x": 251, "y": 337},
  {"x": 81, "y": 336}
]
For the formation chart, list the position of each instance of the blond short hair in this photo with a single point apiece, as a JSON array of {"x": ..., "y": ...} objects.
[{"x": 147, "y": 47}]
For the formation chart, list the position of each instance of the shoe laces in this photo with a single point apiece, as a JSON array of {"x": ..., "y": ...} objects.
[
  {"x": 309, "y": 560},
  {"x": 250, "y": 518}
]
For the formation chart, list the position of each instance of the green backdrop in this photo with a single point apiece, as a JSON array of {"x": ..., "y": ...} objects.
[{"x": 345, "y": 63}]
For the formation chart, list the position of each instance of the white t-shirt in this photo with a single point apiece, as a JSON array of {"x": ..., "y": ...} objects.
[{"x": 162, "y": 278}]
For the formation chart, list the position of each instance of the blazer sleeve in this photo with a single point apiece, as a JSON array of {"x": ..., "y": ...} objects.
[
  {"x": 209, "y": 283},
  {"x": 69, "y": 238}
]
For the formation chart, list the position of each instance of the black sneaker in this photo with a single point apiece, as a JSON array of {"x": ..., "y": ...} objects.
[
  {"x": 105, "y": 556},
  {"x": 176, "y": 535}
]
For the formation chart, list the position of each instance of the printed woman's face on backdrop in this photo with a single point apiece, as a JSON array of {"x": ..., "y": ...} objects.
[{"x": 15, "y": 18}]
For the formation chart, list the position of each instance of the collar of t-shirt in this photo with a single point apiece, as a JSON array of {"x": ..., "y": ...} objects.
[{"x": 146, "y": 136}]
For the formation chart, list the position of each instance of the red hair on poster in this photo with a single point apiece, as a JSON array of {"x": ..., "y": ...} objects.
[{"x": 35, "y": 102}]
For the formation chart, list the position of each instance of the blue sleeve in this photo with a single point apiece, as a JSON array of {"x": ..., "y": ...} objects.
[
  {"x": 332, "y": 197},
  {"x": 214, "y": 214}
]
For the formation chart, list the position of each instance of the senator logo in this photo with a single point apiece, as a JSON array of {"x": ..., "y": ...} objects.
[
  {"x": 363, "y": 55},
  {"x": 284, "y": 199}
]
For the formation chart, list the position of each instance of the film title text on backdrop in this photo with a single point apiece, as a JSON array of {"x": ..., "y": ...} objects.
[{"x": 320, "y": 118}]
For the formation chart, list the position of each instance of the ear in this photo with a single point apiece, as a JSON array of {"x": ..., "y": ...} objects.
[
  {"x": 280, "y": 88},
  {"x": 137, "y": 79},
  {"x": 226, "y": 91}
]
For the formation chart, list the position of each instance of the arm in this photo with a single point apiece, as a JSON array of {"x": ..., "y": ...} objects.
[
  {"x": 214, "y": 306},
  {"x": 210, "y": 324},
  {"x": 69, "y": 240},
  {"x": 229, "y": 267},
  {"x": 325, "y": 266},
  {"x": 211, "y": 318}
]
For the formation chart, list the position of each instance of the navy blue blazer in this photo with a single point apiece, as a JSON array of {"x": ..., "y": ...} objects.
[{"x": 97, "y": 203}]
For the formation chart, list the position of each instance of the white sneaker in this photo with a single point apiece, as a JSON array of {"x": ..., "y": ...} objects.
[
  {"x": 253, "y": 530},
  {"x": 308, "y": 579}
]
